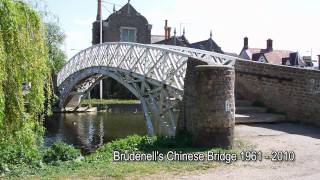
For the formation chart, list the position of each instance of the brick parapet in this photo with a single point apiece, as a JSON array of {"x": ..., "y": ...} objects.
[{"x": 289, "y": 90}]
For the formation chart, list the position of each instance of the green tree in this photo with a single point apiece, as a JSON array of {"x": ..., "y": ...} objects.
[
  {"x": 2, "y": 71},
  {"x": 55, "y": 38},
  {"x": 23, "y": 59},
  {"x": 54, "y": 35}
]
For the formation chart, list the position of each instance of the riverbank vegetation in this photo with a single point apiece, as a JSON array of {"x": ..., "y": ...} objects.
[
  {"x": 63, "y": 161},
  {"x": 24, "y": 84}
]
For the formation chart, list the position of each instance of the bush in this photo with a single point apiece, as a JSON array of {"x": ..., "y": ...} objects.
[
  {"x": 131, "y": 143},
  {"x": 14, "y": 155},
  {"x": 137, "y": 143},
  {"x": 146, "y": 143},
  {"x": 20, "y": 148},
  {"x": 61, "y": 151}
]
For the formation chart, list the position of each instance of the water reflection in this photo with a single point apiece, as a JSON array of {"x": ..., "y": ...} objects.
[{"x": 90, "y": 130}]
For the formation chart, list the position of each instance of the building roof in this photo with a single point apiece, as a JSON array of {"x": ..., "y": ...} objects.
[
  {"x": 127, "y": 9},
  {"x": 252, "y": 51},
  {"x": 176, "y": 41},
  {"x": 208, "y": 45},
  {"x": 273, "y": 57},
  {"x": 278, "y": 57}
]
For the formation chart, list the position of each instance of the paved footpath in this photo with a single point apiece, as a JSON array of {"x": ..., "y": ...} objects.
[{"x": 303, "y": 140}]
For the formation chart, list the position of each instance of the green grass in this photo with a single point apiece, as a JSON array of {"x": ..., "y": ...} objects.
[
  {"x": 109, "y": 101},
  {"x": 100, "y": 165},
  {"x": 103, "y": 169}
]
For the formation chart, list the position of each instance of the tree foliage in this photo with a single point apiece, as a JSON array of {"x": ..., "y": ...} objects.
[
  {"x": 23, "y": 59},
  {"x": 1, "y": 82},
  {"x": 55, "y": 37}
]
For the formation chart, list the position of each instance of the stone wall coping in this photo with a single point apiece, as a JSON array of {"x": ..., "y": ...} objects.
[
  {"x": 205, "y": 67},
  {"x": 278, "y": 66}
]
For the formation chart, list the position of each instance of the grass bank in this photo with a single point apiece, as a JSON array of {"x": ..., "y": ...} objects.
[{"x": 63, "y": 162}]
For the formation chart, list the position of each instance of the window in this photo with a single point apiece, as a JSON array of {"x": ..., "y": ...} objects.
[
  {"x": 262, "y": 60},
  {"x": 288, "y": 63},
  {"x": 128, "y": 34}
]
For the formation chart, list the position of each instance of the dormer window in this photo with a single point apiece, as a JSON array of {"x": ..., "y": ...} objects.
[
  {"x": 262, "y": 60},
  {"x": 128, "y": 34},
  {"x": 288, "y": 63}
]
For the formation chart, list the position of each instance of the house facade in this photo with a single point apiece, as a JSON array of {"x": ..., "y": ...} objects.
[
  {"x": 270, "y": 55},
  {"x": 128, "y": 25},
  {"x": 125, "y": 25}
]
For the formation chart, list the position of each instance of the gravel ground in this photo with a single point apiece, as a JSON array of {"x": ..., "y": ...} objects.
[{"x": 303, "y": 140}]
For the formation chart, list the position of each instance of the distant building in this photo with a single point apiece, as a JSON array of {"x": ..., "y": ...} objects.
[
  {"x": 207, "y": 45},
  {"x": 128, "y": 25},
  {"x": 269, "y": 55},
  {"x": 175, "y": 40},
  {"x": 157, "y": 38},
  {"x": 308, "y": 61},
  {"x": 125, "y": 25}
]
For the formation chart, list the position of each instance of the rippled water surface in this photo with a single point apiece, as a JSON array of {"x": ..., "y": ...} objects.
[{"x": 89, "y": 130}]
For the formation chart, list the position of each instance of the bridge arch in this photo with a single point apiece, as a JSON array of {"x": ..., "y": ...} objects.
[{"x": 153, "y": 73}]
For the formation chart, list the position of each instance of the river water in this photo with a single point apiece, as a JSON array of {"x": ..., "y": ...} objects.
[{"x": 87, "y": 131}]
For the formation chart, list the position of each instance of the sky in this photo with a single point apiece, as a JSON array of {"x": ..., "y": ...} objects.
[{"x": 291, "y": 24}]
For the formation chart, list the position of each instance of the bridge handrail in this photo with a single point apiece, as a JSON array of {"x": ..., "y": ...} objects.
[
  {"x": 206, "y": 56},
  {"x": 200, "y": 52},
  {"x": 62, "y": 75}
]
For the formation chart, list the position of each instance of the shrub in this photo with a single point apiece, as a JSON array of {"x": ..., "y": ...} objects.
[
  {"x": 131, "y": 143},
  {"x": 146, "y": 143},
  {"x": 14, "y": 155},
  {"x": 61, "y": 151}
]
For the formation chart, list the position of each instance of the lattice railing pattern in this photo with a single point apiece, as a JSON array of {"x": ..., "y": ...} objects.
[{"x": 154, "y": 73}]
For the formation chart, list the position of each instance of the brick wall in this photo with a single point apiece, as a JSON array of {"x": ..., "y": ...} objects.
[
  {"x": 290, "y": 90},
  {"x": 111, "y": 32},
  {"x": 189, "y": 113}
]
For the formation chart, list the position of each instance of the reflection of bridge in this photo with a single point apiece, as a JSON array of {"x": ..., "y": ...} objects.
[{"x": 153, "y": 73}]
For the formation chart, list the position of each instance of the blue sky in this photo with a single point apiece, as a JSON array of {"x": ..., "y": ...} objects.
[{"x": 292, "y": 24}]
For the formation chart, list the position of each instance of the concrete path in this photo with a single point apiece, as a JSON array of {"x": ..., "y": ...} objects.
[{"x": 303, "y": 140}]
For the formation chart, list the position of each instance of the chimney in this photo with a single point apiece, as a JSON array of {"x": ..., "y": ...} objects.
[
  {"x": 246, "y": 43},
  {"x": 129, "y": 7},
  {"x": 269, "y": 45},
  {"x": 99, "y": 10},
  {"x": 175, "y": 38},
  {"x": 319, "y": 61},
  {"x": 169, "y": 32},
  {"x": 166, "y": 29}
]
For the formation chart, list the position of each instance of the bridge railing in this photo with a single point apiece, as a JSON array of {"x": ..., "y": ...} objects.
[
  {"x": 207, "y": 56},
  {"x": 160, "y": 62}
]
